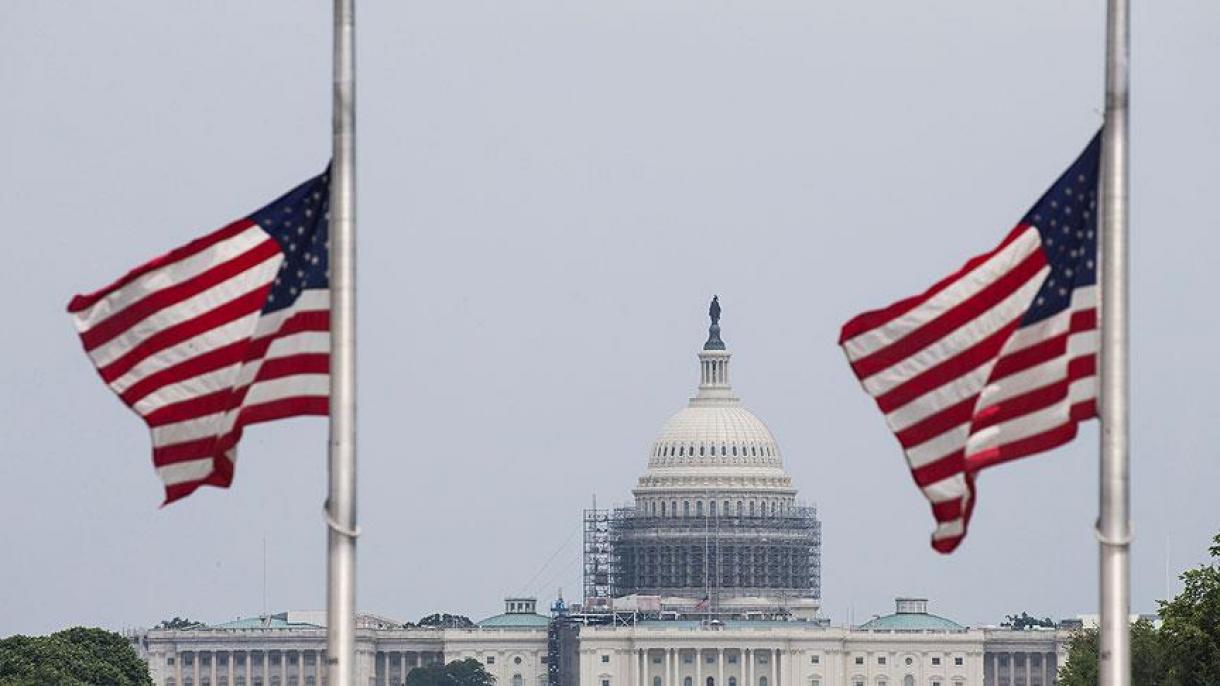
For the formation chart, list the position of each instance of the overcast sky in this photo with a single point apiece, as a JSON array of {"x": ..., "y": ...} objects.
[{"x": 549, "y": 193}]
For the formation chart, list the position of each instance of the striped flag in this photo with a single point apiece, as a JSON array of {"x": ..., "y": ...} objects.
[
  {"x": 229, "y": 330},
  {"x": 996, "y": 361}
]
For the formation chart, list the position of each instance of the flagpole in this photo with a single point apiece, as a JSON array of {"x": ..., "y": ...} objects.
[
  {"x": 1113, "y": 522},
  {"x": 341, "y": 492}
]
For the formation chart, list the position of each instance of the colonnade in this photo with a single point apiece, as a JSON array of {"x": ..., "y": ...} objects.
[
  {"x": 753, "y": 667},
  {"x": 308, "y": 672},
  {"x": 1027, "y": 676}
]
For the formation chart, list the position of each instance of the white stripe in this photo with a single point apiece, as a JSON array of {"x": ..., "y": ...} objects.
[
  {"x": 961, "y": 290},
  {"x": 187, "y": 389},
  {"x": 949, "y": 529},
  {"x": 1082, "y": 389},
  {"x": 288, "y": 387},
  {"x": 313, "y": 299},
  {"x": 948, "y": 488},
  {"x": 215, "y": 424},
  {"x": 937, "y": 447},
  {"x": 169, "y": 275},
  {"x": 192, "y": 347},
  {"x": 1017, "y": 428},
  {"x": 939, "y": 398},
  {"x": 1044, "y": 374},
  {"x": 960, "y": 339},
  {"x": 249, "y": 280},
  {"x": 181, "y": 472}
]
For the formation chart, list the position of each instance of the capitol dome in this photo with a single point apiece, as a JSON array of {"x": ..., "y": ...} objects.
[
  {"x": 716, "y": 528},
  {"x": 715, "y": 445}
]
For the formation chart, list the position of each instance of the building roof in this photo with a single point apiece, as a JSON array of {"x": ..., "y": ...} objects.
[
  {"x": 912, "y": 615},
  {"x": 515, "y": 620},
  {"x": 276, "y": 621}
]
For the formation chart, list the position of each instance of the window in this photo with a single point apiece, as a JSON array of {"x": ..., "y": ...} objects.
[
  {"x": 762, "y": 681},
  {"x": 605, "y": 682},
  {"x": 688, "y": 682},
  {"x": 685, "y": 508},
  {"x": 857, "y": 682},
  {"x": 936, "y": 661},
  {"x": 656, "y": 661},
  {"x": 517, "y": 660},
  {"x": 688, "y": 660},
  {"x": 605, "y": 658},
  {"x": 699, "y": 508},
  {"x": 491, "y": 659},
  {"x": 909, "y": 661},
  {"x": 732, "y": 681},
  {"x": 815, "y": 659},
  {"x": 656, "y": 680},
  {"x": 710, "y": 681},
  {"x": 935, "y": 683},
  {"x": 958, "y": 661},
  {"x": 881, "y": 660},
  {"x": 751, "y": 508},
  {"x": 733, "y": 661},
  {"x": 859, "y": 659},
  {"x": 169, "y": 660},
  {"x": 662, "y": 509}
]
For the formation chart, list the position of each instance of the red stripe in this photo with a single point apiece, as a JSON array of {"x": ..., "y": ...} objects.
[
  {"x": 236, "y": 308},
  {"x": 948, "y": 510},
  {"x": 221, "y": 477},
  {"x": 124, "y": 319},
  {"x": 1041, "y": 442},
  {"x": 1044, "y": 350},
  {"x": 191, "y": 408},
  {"x": 285, "y": 407},
  {"x": 935, "y": 425},
  {"x": 951, "y": 319},
  {"x": 291, "y": 365},
  {"x": 946, "y": 371},
  {"x": 942, "y": 468},
  {"x": 878, "y": 318},
  {"x": 1035, "y": 399},
  {"x": 201, "y": 364},
  {"x": 85, "y": 301},
  {"x": 948, "y": 544}
]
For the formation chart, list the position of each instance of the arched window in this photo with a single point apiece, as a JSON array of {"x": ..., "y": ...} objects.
[
  {"x": 687, "y": 681},
  {"x": 762, "y": 681},
  {"x": 723, "y": 450},
  {"x": 740, "y": 510},
  {"x": 673, "y": 507},
  {"x": 700, "y": 451},
  {"x": 518, "y": 680},
  {"x": 725, "y": 511},
  {"x": 685, "y": 508},
  {"x": 681, "y": 451},
  {"x": 751, "y": 508},
  {"x": 711, "y": 681},
  {"x": 772, "y": 508},
  {"x": 662, "y": 508},
  {"x": 656, "y": 681},
  {"x": 908, "y": 680},
  {"x": 698, "y": 508},
  {"x": 734, "y": 451},
  {"x": 732, "y": 681},
  {"x": 711, "y": 507}
]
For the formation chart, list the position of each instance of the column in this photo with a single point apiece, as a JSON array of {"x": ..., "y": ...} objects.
[
  {"x": 641, "y": 666},
  {"x": 1047, "y": 679},
  {"x": 774, "y": 667},
  {"x": 319, "y": 660},
  {"x": 212, "y": 668},
  {"x": 177, "y": 667},
  {"x": 195, "y": 664},
  {"x": 231, "y": 668},
  {"x": 249, "y": 677},
  {"x": 720, "y": 667},
  {"x": 665, "y": 681},
  {"x": 749, "y": 667},
  {"x": 995, "y": 669},
  {"x": 698, "y": 667},
  {"x": 266, "y": 668}
]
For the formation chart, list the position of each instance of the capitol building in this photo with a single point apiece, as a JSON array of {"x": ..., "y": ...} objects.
[{"x": 711, "y": 578}]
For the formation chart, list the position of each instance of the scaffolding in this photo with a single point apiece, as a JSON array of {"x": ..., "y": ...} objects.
[{"x": 629, "y": 551}]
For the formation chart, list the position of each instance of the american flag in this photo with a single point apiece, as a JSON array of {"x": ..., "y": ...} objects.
[
  {"x": 228, "y": 330},
  {"x": 996, "y": 361}
]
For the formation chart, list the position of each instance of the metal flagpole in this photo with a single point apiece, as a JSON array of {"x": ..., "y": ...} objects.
[
  {"x": 1113, "y": 522},
  {"x": 341, "y": 496}
]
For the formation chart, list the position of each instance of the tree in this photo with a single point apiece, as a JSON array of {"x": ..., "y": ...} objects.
[
  {"x": 468, "y": 672},
  {"x": 1190, "y": 629},
  {"x": 1147, "y": 657},
  {"x": 73, "y": 657},
  {"x": 1185, "y": 651},
  {"x": 1024, "y": 621},
  {"x": 178, "y": 623},
  {"x": 447, "y": 621}
]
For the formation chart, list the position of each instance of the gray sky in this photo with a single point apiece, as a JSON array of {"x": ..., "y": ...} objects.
[{"x": 550, "y": 191}]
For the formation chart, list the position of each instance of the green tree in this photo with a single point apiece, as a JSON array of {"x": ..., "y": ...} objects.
[
  {"x": 1025, "y": 621},
  {"x": 1190, "y": 629},
  {"x": 447, "y": 621},
  {"x": 468, "y": 672},
  {"x": 72, "y": 657},
  {"x": 1147, "y": 657},
  {"x": 178, "y": 623}
]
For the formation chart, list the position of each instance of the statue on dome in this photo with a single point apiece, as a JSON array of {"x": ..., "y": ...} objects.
[{"x": 714, "y": 310}]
